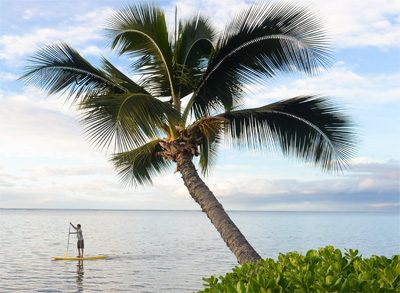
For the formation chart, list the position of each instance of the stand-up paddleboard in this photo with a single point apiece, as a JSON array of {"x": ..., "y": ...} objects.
[
  {"x": 75, "y": 258},
  {"x": 79, "y": 258}
]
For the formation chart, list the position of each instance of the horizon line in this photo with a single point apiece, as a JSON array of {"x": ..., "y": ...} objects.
[{"x": 189, "y": 210}]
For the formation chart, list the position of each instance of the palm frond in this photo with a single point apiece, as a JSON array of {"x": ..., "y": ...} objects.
[
  {"x": 307, "y": 127},
  {"x": 209, "y": 153},
  {"x": 123, "y": 80},
  {"x": 210, "y": 129},
  {"x": 193, "y": 48},
  {"x": 128, "y": 120},
  {"x": 139, "y": 166},
  {"x": 59, "y": 68},
  {"x": 259, "y": 43},
  {"x": 141, "y": 32}
]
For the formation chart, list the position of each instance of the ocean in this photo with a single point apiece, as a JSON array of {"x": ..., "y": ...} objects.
[{"x": 166, "y": 251}]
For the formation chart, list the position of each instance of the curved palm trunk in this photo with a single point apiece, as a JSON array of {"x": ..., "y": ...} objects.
[{"x": 232, "y": 236}]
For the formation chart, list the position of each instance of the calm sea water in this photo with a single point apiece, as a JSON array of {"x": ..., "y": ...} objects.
[{"x": 161, "y": 251}]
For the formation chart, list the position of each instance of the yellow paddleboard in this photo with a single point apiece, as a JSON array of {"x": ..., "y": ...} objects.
[{"x": 79, "y": 258}]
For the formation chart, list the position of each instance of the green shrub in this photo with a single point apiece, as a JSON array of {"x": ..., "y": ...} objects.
[{"x": 325, "y": 270}]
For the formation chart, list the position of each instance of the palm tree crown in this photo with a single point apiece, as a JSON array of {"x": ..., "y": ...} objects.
[{"x": 202, "y": 74}]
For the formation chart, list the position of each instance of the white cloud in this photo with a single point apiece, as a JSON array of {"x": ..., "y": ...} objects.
[
  {"x": 32, "y": 127},
  {"x": 220, "y": 11},
  {"x": 35, "y": 194},
  {"x": 339, "y": 82},
  {"x": 383, "y": 205},
  {"x": 365, "y": 184},
  {"x": 92, "y": 50},
  {"x": 15, "y": 46},
  {"x": 32, "y": 12},
  {"x": 361, "y": 23},
  {"x": 364, "y": 160},
  {"x": 87, "y": 28},
  {"x": 7, "y": 76},
  {"x": 52, "y": 171},
  {"x": 370, "y": 183}
]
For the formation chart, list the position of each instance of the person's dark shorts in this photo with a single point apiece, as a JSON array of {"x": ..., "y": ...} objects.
[{"x": 80, "y": 244}]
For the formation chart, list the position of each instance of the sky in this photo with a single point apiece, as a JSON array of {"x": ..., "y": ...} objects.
[{"x": 47, "y": 162}]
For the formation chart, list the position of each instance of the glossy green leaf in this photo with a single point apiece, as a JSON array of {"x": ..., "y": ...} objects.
[{"x": 313, "y": 273}]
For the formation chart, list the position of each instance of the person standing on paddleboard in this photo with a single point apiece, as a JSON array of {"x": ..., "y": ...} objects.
[{"x": 79, "y": 235}]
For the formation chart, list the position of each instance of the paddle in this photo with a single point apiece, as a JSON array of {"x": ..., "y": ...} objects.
[{"x": 69, "y": 230}]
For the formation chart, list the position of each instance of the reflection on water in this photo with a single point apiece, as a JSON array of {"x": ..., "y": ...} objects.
[
  {"x": 166, "y": 251},
  {"x": 79, "y": 276}
]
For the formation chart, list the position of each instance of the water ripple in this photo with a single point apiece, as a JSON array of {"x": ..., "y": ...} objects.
[{"x": 157, "y": 251}]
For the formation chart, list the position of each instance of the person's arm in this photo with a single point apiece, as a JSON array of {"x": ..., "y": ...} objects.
[{"x": 73, "y": 226}]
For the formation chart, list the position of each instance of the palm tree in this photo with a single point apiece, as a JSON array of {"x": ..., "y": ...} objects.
[{"x": 188, "y": 99}]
